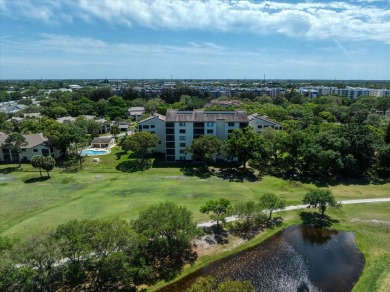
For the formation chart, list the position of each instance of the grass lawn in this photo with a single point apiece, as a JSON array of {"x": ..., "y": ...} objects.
[{"x": 29, "y": 204}]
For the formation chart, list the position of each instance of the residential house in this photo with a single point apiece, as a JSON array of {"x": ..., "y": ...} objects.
[
  {"x": 103, "y": 142},
  {"x": 136, "y": 112},
  {"x": 37, "y": 145}
]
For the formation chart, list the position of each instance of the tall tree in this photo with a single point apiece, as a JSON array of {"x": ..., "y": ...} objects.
[
  {"x": 114, "y": 130},
  {"x": 270, "y": 202},
  {"x": 140, "y": 143},
  {"x": 383, "y": 104},
  {"x": 218, "y": 209},
  {"x": 387, "y": 134},
  {"x": 204, "y": 148},
  {"x": 245, "y": 144},
  {"x": 40, "y": 253},
  {"x": 247, "y": 211},
  {"x": 36, "y": 162},
  {"x": 48, "y": 164},
  {"x": 15, "y": 142},
  {"x": 320, "y": 198},
  {"x": 170, "y": 230}
]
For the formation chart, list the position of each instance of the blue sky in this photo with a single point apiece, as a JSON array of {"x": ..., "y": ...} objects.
[{"x": 209, "y": 39}]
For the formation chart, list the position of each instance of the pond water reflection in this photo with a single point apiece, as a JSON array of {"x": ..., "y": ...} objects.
[{"x": 299, "y": 258}]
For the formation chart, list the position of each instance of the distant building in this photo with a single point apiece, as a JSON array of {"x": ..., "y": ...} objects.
[
  {"x": 136, "y": 112},
  {"x": 11, "y": 107},
  {"x": 223, "y": 103},
  {"x": 258, "y": 123},
  {"x": 349, "y": 92}
]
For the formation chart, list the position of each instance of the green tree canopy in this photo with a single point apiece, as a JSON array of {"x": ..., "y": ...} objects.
[
  {"x": 36, "y": 162},
  {"x": 245, "y": 144},
  {"x": 140, "y": 143},
  {"x": 320, "y": 198},
  {"x": 204, "y": 148},
  {"x": 16, "y": 142},
  {"x": 170, "y": 230},
  {"x": 217, "y": 209},
  {"x": 270, "y": 202},
  {"x": 47, "y": 164}
]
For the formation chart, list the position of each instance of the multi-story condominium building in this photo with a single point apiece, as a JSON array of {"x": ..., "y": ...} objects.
[
  {"x": 155, "y": 125},
  {"x": 178, "y": 129},
  {"x": 379, "y": 92},
  {"x": 350, "y": 92}
]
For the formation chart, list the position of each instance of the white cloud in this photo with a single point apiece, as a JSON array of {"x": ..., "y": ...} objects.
[{"x": 359, "y": 20}]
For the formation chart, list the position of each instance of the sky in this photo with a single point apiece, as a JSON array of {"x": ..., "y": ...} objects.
[{"x": 194, "y": 39}]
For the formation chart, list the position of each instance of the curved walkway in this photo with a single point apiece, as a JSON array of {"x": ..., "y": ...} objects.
[{"x": 297, "y": 207}]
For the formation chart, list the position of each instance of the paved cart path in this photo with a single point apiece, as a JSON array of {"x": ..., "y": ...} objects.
[{"x": 297, "y": 207}]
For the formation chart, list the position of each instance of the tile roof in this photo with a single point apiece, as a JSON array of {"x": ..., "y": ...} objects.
[
  {"x": 102, "y": 140},
  {"x": 155, "y": 115},
  {"x": 206, "y": 116},
  {"x": 32, "y": 140}
]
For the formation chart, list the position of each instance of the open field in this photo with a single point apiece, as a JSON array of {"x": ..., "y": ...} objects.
[{"x": 29, "y": 204}]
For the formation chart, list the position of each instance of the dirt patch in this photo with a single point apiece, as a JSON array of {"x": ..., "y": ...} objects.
[
  {"x": 373, "y": 221},
  {"x": 208, "y": 246},
  {"x": 7, "y": 178}
]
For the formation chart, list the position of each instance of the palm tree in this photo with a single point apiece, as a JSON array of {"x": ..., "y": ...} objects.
[
  {"x": 114, "y": 130},
  {"x": 48, "y": 164},
  {"x": 37, "y": 162}
]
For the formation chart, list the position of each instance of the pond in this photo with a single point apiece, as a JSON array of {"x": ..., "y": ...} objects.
[{"x": 298, "y": 258}]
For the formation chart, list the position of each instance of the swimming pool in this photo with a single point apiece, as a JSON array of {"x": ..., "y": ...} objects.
[{"x": 93, "y": 152}]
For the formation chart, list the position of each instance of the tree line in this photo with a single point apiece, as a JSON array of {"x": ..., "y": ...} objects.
[{"x": 348, "y": 150}]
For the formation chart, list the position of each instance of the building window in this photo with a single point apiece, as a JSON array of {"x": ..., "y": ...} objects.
[
  {"x": 259, "y": 126},
  {"x": 231, "y": 124},
  {"x": 183, "y": 144},
  {"x": 182, "y": 131},
  {"x": 152, "y": 132},
  {"x": 230, "y": 131},
  {"x": 182, "y": 138},
  {"x": 210, "y": 124},
  {"x": 182, "y": 152},
  {"x": 182, "y": 124},
  {"x": 210, "y": 131},
  {"x": 152, "y": 126},
  {"x": 182, "y": 158},
  {"x": 35, "y": 150},
  {"x": 145, "y": 127}
]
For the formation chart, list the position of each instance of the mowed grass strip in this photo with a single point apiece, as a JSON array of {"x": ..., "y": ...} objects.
[{"x": 29, "y": 204}]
